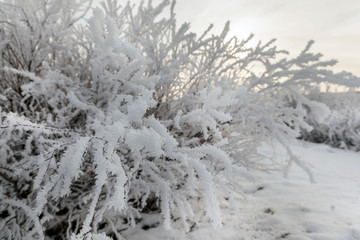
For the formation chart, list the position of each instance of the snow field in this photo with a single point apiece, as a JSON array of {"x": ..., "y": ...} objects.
[{"x": 285, "y": 208}]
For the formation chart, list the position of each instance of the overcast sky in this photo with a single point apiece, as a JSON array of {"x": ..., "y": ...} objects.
[{"x": 333, "y": 24}]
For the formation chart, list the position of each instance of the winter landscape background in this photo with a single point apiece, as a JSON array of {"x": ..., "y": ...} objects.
[{"x": 120, "y": 121}]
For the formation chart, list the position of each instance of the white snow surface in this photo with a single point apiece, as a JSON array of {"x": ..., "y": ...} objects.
[{"x": 283, "y": 208}]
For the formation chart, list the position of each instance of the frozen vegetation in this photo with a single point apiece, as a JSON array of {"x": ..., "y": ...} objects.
[
  {"x": 127, "y": 125},
  {"x": 274, "y": 207}
]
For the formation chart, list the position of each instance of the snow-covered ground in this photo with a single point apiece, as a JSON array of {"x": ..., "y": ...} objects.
[{"x": 280, "y": 208}]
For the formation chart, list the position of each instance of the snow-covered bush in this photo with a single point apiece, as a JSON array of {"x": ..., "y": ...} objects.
[
  {"x": 342, "y": 127},
  {"x": 95, "y": 146},
  {"x": 131, "y": 113},
  {"x": 266, "y": 88}
]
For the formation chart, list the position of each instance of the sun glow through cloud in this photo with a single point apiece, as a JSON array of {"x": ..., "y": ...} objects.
[
  {"x": 334, "y": 25},
  {"x": 243, "y": 27}
]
